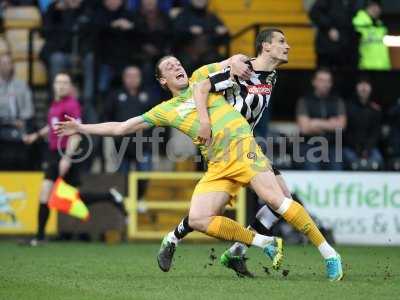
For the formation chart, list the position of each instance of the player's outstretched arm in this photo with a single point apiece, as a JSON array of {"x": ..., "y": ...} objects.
[
  {"x": 200, "y": 95},
  {"x": 72, "y": 126}
]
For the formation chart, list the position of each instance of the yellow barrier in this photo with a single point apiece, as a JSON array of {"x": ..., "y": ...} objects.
[
  {"x": 19, "y": 203},
  {"x": 134, "y": 231}
]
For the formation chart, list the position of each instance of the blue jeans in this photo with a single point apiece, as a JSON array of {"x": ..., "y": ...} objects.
[
  {"x": 60, "y": 61},
  {"x": 350, "y": 156},
  {"x": 316, "y": 163},
  {"x": 145, "y": 165}
]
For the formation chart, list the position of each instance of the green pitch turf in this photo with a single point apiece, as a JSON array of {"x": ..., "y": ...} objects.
[{"x": 130, "y": 271}]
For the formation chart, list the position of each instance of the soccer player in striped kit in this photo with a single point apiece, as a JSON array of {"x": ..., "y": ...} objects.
[{"x": 250, "y": 97}]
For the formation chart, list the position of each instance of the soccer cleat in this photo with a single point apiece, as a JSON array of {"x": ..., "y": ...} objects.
[
  {"x": 274, "y": 251},
  {"x": 236, "y": 263},
  {"x": 165, "y": 254},
  {"x": 334, "y": 269}
]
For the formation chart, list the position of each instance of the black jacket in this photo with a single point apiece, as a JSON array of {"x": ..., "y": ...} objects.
[
  {"x": 120, "y": 106},
  {"x": 363, "y": 126},
  {"x": 317, "y": 108},
  {"x": 158, "y": 35},
  {"x": 59, "y": 25},
  {"x": 327, "y": 14},
  {"x": 114, "y": 46},
  {"x": 208, "y": 21}
]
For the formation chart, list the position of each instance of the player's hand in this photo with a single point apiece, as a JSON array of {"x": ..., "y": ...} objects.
[
  {"x": 333, "y": 34},
  {"x": 239, "y": 67},
  {"x": 64, "y": 165},
  {"x": 69, "y": 127},
  {"x": 204, "y": 135}
]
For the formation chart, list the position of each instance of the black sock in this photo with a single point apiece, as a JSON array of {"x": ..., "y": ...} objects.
[
  {"x": 260, "y": 228},
  {"x": 183, "y": 229},
  {"x": 42, "y": 220},
  {"x": 91, "y": 198}
]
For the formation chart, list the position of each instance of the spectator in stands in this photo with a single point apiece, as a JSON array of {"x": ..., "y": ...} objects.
[
  {"x": 131, "y": 99},
  {"x": 154, "y": 29},
  {"x": 199, "y": 33},
  {"x": 319, "y": 115},
  {"x": 374, "y": 54},
  {"x": 115, "y": 42},
  {"x": 16, "y": 113},
  {"x": 336, "y": 41},
  {"x": 363, "y": 130},
  {"x": 64, "y": 50}
]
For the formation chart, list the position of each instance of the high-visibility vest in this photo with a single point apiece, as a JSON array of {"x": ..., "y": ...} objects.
[{"x": 374, "y": 55}]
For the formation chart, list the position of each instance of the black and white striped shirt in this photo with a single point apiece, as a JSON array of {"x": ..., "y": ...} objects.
[{"x": 249, "y": 97}]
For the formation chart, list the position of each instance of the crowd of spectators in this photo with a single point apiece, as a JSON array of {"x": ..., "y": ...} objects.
[
  {"x": 353, "y": 133},
  {"x": 113, "y": 45},
  {"x": 350, "y": 34}
]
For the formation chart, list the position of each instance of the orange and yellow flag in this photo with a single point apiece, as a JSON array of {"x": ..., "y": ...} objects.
[{"x": 66, "y": 199}]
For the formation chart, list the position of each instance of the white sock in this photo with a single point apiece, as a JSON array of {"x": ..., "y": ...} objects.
[
  {"x": 284, "y": 206},
  {"x": 172, "y": 238},
  {"x": 326, "y": 250},
  {"x": 266, "y": 217},
  {"x": 238, "y": 249},
  {"x": 261, "y": 241}
]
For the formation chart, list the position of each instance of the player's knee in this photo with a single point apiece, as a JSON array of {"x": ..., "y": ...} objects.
[{"x": 272, "y": 198}]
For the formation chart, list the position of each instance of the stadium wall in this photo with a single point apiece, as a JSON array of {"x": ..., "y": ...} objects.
[
  {"x": 19, "y": 202},
  {"x": 361, "y": 208}
]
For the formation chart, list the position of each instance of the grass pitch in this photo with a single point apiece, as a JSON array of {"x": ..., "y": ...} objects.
[{"x": 130, "y": 271}]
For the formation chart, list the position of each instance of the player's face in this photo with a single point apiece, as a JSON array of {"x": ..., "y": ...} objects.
[
  {"x": 62, "y": 86},
  {"x": 173, "y": 75},
  {"x": 279, "y": 48}
]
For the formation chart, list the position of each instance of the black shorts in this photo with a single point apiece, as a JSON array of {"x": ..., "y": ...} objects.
[
  {"x": 276, "y": 171},
  {"x": 51, "y": 170}
]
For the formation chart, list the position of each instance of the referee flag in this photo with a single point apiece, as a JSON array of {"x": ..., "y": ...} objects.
[{"x": 66, "y": 199}]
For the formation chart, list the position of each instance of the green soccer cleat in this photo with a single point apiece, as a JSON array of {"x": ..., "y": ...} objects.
[
  {"x": 274, "y": 251},
  {"x": 166, "y": 254},
  {"x": 236, "y": 263},
  {"x": 334, "y": 269}
]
